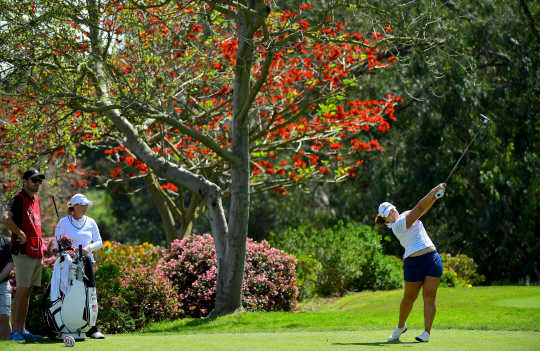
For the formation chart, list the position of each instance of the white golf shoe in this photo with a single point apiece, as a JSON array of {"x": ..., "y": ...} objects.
[
  {"x": 397, "y": 333},
  {"x": 424, "y": 337}
]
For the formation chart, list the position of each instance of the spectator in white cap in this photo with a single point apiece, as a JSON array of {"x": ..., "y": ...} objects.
[
  {"x": 422, "y": 265},
  {"x": 84, "y": 231}
]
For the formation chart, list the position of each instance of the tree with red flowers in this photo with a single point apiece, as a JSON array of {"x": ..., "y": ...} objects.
[{"x": 220, "y": 98}]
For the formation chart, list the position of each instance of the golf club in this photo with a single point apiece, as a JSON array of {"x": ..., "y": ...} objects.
[
  {"x": 56, "y": 209},
  {"x": 440, "y": 193}
]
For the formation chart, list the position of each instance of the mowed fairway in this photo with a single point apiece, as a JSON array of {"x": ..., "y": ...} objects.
[
  {"x": 479, "y": 318},
  {"x": 338, "y": 341}
]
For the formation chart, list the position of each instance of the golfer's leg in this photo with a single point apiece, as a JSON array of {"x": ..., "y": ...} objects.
[
  {"x": 407, "y": 303},
  {"x": 430, "y": 293}
]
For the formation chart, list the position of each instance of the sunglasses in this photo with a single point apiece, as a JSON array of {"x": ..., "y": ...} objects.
[{"x": 34, "y": 180}]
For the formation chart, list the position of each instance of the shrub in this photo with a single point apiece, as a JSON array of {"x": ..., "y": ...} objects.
[
  {"x": 269, "y": 282},
  {"x": 339, "y": 259},
  {"x": 308, "y": 269},
  {"x": 34, "y": 319},
  {"x": 130, "y": 298},
  {"x": 383, "y": 273},
  {"x": 461, "y": 267},
  {"x": 129, "y": 256}
]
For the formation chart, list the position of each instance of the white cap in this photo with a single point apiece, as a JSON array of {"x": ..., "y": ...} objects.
[
  {"x": 80, "y": 199},
  {"x": 385, "y": 208}
]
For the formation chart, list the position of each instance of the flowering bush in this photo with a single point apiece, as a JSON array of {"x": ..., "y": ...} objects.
[
  {"x": 133, "y": 297},
  {"x": 450, "y": 279},
  {"x": 140, "y": 284},
  {"x": 269, "y": 282},
  {"x": 129, "y": 256},
  {"x": 460, "y": 271},
  {"x": 132, "y": 290}
]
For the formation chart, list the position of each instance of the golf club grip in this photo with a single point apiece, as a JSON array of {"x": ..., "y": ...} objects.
[{"x": 439, "y": 194}]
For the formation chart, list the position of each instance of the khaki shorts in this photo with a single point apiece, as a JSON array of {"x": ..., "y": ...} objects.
[
  {"x": 5, "y": 298},
  {"x": 27, "y": 270}
]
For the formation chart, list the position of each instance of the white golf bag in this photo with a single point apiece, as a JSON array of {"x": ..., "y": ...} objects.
[{"x": 75, "y": 312}]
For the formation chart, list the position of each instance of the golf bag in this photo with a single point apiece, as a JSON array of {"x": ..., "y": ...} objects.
[{"x": 75, "y": 312}]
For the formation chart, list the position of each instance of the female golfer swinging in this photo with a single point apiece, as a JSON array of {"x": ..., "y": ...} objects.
[{"x": 422, "y": 265}]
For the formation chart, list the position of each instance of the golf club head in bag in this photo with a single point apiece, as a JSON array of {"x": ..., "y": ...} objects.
[{"x": 440, "y": 193}]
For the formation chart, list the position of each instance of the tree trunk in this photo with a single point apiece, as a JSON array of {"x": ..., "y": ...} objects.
[
  {"x": 193, "y": 213},
  {"x": 208, "y": 191},
  {"x": 164, "y": 211},
  {"x": 232, "y": 257}
]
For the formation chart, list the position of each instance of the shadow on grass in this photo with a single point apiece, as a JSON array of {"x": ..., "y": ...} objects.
[
  {"x": 43, "y": 341},
  {"x": 195, "y": 322},
  {"x": 378, "y": 343}
]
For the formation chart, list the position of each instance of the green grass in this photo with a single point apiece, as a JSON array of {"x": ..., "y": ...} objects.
[
  {"x": 494, "y": 318},
  {"x": 457, "y": 308},
  {"x": 521, "y": 302},
  {"x": 336, "y": 341}
]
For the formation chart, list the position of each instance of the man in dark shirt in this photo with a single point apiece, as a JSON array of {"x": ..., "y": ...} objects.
[
  {"x": 6, "y": 265},
  {"x": 23, "y": 212}
]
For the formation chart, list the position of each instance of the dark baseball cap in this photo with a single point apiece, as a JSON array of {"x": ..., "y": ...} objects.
[{"x": 33, "y": 173}]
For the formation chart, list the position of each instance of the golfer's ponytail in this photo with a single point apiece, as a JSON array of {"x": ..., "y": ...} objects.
[
  {"x": 70, "y": 208},
  {"x": 379, "y": 221}
]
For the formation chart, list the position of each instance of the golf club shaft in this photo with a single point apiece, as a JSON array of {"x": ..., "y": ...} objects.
[
  {"x": 56, "y": 209},
  {"x": 453, "y": 169}
]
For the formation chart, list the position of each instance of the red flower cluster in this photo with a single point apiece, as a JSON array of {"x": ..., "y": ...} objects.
[{"x": 170, "y": 186}]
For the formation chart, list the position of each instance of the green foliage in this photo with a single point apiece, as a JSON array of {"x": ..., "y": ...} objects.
[
  {"x": 339, "y": 259},
  {"x": 34, "y": 319},
  {"x": 495, "y": 190},
  {"x": 461, "y": 267},
  {"x": 132, "y": 289},
  {"x": 110, "y": 317}
]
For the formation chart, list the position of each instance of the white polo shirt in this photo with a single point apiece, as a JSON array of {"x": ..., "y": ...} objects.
[
  {"x": 413, "y": 239},
  {"x": 83, "y": 232}
]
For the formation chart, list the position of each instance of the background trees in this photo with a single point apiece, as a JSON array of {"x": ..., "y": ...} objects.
[
  {"x": 492, "y": 199},
  {"x": 221, "y": 99}
]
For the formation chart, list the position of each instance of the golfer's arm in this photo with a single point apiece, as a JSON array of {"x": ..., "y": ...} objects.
[
  {"x": 7, "y": 220},
  {"x": 429, "y": 204},
  {"x": 422, "y": 207},
  {"x": 59, "y": 232},
  {"x": 6, "y": 270}
]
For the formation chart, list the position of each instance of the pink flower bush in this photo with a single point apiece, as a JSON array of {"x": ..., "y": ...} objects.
[
  {"x": 269, "y": 282},
  {"x": 269, "y": 279},
  {"x": 140, "y": 284},
  {"x": 130, "y": 298}
]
